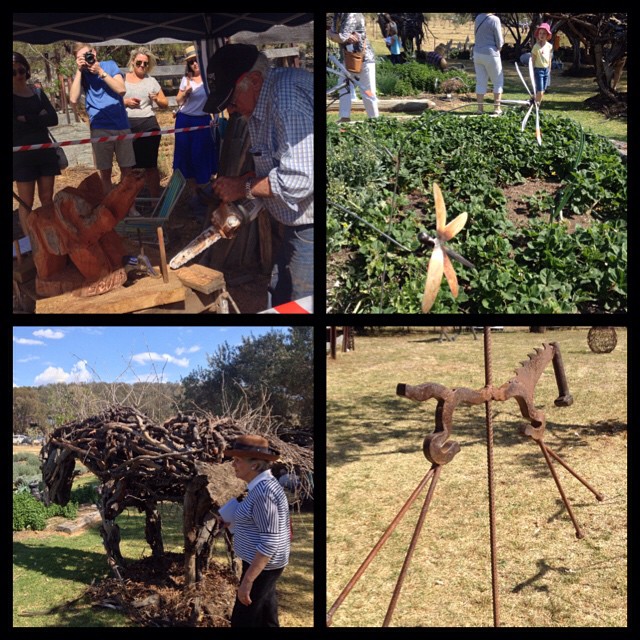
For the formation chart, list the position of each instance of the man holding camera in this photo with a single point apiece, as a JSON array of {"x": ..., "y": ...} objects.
[{"x": 103, "y": 84}]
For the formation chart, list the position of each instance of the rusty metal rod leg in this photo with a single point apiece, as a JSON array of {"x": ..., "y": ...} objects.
[
  {"x": 575, "y": 474},
  {"x": 579, "y": 533},
  {"x": 372, "y": 554},
  {"x": 412, "y": 546},
  {"x": 488, "y": 378}
]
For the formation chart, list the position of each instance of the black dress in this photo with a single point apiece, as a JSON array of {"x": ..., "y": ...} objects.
[{"x": 30, "y": 165}]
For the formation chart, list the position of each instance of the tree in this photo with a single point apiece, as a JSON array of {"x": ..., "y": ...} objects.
[
  {"x": 28, "y": 409},
  {"x": 275, "y": 370},
  {"x": 520, "y": 26}
]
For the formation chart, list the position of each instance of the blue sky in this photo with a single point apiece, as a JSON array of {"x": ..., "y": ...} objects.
[{"x": 48, "y": 354}]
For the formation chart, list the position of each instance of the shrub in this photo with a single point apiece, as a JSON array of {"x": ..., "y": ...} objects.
[
  {"x": 28, "y": 513},
  {"x": 86, "y": 494},
  {"x": 413, "y": 78},
  {"x": 26, "y": 466}
]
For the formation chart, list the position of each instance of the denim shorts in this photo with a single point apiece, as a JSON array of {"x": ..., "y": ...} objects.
[{"x": 542, "y": 77}]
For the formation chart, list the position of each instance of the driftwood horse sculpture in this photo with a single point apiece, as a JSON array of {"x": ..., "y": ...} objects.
[
  {"x": 140, "y": 464},
  {"x": 411, "y": 28}
]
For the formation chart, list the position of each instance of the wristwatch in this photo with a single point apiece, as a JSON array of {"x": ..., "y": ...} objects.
[
  {"x": 103, "y": 75},
  {"x": 247, "y": 190}
]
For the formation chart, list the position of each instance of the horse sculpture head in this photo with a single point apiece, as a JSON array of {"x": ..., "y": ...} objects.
[{"x": 57, "y": 466}]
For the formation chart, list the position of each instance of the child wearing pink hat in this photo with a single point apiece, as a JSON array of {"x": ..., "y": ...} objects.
[{"x": 542, "y": 53}]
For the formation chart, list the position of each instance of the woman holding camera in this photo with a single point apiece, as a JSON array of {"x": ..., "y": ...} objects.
[
  {"x": 142, "y": 92},
  {"x": 103, "y": 85},
  {"x": 32, "y": 115}
]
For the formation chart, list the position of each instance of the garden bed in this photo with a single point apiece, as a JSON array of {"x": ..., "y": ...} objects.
[{"x": 547, "y": 224}]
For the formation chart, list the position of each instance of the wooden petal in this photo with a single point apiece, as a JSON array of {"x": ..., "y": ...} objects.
[
  {"x": 434, "y": 278},
  {"x": 450, "y": 274},
  {"x": 454, "y": 227},
  {"x": 441, "y": 211}
]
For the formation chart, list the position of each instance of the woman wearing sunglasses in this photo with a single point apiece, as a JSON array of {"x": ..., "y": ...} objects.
[
  {"x": 32, "y": 115},
  {"x": 142, "y": 92},
  {"x": 195, "y": 152}
]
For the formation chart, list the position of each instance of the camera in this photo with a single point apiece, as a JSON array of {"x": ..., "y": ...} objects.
[{"x": 89, "y": 57}]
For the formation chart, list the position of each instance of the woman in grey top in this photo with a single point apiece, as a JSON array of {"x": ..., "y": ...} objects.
[
  {"x": 348, "y": 30},
  {"x": 486, "y": 58},
  {"x": 142, "y": 92}
]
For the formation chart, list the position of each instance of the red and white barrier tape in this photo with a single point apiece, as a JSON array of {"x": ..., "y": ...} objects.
[
  {"x": 304, "y": 305},
  {"x": 124, "y": 136}
]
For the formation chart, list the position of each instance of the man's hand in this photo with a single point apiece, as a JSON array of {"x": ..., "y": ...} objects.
[
  {"x": 230, "y": 189},
  {"x": 244, "y": 590}
]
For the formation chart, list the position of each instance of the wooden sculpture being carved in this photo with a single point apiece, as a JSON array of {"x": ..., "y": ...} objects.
[{"x": 78, "y": 229}]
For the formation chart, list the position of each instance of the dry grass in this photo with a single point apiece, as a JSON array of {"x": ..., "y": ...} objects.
[{"x": 374, "y": 457}]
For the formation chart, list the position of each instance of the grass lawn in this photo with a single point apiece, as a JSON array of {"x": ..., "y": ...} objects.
[
  {"x": 51, "y": 569},
  {"x": 547, "y": 577}
]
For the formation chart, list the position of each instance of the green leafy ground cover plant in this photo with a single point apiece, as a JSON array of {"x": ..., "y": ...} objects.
[
  {"x": 412, "y": 79},
  {"x": 543, "y": 266},
  {"x": 29, "y": 513}
]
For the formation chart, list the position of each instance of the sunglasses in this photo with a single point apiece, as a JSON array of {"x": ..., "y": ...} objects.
[
  {"x": 140, "y": 63},
  {"x": 20, "y": 71},
  {"x": 190, "y": 62}
]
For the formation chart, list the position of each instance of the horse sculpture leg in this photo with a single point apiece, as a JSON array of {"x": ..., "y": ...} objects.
[
  {"x": 153, "y": 528},
  {"x": 110, "y": 507}
]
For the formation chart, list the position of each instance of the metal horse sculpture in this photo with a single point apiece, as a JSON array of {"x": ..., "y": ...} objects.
[{"x": 439, "y": 449}]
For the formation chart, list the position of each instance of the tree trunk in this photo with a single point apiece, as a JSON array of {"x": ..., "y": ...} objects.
[{"x": 602, "y": 77}]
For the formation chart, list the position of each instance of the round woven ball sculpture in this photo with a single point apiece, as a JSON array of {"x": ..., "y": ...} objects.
[{"x": 602, "y": 339}]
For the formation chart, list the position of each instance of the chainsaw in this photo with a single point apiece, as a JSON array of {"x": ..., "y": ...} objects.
[{"x": 227, "y": 220}]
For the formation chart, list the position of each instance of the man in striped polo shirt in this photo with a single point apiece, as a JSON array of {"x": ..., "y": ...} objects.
[{"x": 261, "y": 533}]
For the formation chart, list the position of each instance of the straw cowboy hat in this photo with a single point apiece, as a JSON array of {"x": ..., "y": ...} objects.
[
  {"x": 190, "y": 52},
  {"x": 252, "y": 447}
]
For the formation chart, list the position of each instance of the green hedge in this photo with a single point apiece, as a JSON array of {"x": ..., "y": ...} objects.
[
  {"x": 413, "y": 78},
  {"x": 29, "y": 513}
]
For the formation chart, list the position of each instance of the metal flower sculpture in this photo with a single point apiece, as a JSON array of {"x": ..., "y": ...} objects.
[{"x": 439, "y": 261}]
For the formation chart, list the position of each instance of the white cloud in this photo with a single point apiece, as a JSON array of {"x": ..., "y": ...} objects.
[
  {"x": 48, "y": 333},
  {"x": 181, "y": 350},
  {"x": 27, "y": 359},
  {"x": 26, "y": 341},
  {"x": 80, "y": 373},
  {"x": 144, "y": 358},
  {"x": 51, "y": 375}
]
